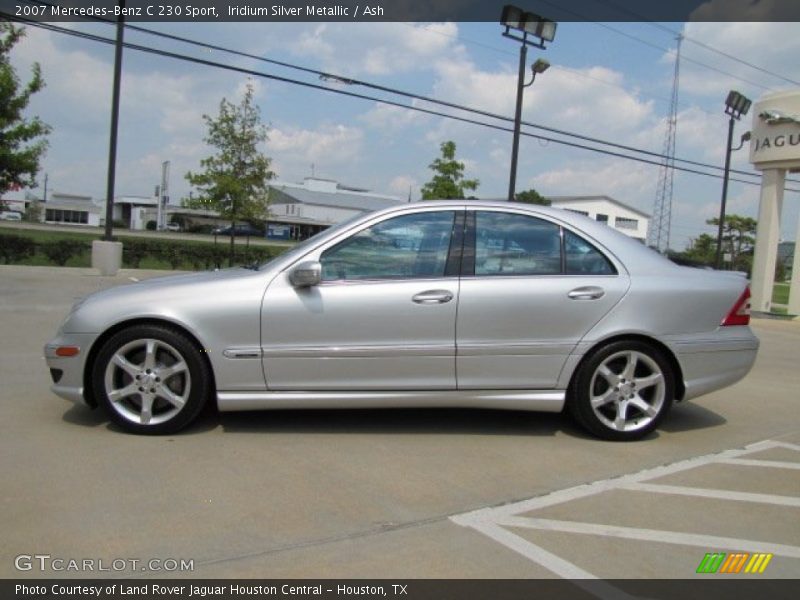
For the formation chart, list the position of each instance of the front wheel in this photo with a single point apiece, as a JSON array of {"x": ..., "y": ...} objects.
[
  {"x": 150, "y": 379},
  {"x": 622, "y": 391}
]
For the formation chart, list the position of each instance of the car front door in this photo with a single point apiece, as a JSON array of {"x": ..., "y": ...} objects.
[
  {"x": 381, "y": 318},
  {"x": 531, "y": 289}
]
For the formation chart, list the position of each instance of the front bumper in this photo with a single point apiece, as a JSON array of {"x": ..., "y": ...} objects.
[{"x": 67, "y": 371}]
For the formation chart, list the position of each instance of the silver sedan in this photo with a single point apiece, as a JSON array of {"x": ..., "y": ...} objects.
[{"x": 465, "y": 304}]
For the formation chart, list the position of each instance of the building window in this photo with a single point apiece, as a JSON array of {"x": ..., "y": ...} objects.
[
  {"x": 625, "y": 223},
  {"x": 58, "y": 215},
  {"x": 579, "y": 212},
  {"x": 601, "y": 218}
]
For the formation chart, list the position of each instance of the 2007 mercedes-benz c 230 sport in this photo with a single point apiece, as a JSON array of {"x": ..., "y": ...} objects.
[{"x": 434, "y": 304}]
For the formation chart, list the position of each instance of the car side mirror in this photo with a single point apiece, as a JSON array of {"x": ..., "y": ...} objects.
[{"x": 306, "y": 274}]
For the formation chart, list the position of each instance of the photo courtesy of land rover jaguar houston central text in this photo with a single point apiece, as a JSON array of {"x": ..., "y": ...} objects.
[{"x": 431, "y": 304}]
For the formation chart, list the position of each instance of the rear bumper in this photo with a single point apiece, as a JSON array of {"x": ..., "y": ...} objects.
[{"x": 713, "y": 361}]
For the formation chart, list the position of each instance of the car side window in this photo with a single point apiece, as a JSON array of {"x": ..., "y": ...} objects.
[
  {"x": 514, "y": 244},
  {"x": 404, "y": 247},
  {"x": 582, "y": 258}
]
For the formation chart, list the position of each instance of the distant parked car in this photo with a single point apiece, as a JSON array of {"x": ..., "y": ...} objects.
[
  {"x": 240, "y": 229},
  {"x": 10, "y": 215},
  {"x": 173, "y": 227},
  {"x": 472, "y": 304}
]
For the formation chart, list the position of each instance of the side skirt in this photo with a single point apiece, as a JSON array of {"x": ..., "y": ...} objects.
[{"x": 545, "y": 401}]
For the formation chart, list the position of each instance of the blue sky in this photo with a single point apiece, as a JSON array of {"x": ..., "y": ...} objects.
[{"x": 611, "y": 81}]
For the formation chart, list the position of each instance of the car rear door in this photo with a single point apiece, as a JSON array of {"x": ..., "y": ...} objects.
[{"x": 530, "y": 291}]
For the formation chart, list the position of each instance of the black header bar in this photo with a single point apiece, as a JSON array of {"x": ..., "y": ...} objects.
[{"x": 401, "y": 10}]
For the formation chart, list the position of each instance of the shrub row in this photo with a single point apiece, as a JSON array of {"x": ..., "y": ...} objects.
[
  {"x": 18, "y": 248},
  {"x": 194, "y": 255},
  {"x": 178, "y": 255}
]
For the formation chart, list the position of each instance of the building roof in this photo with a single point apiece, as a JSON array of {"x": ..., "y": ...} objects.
[
  {"x": 285, "y": 194},
  {"x": 555, "y": 200}
]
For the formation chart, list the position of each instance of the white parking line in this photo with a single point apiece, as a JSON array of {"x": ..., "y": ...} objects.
[
  {"x": 493, "y": 521},
  {"x": 752, "y": 462},
  {"x": 680, "y": 490},
  {"x": 651, "y": 535}
]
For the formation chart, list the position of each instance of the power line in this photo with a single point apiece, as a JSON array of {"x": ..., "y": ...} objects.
[
  {"x": 652, "y": 44},
  {"x": 696, "y": 42},
  {"x": 252, "y": 72},
  {"x": 351, "y": 81}
]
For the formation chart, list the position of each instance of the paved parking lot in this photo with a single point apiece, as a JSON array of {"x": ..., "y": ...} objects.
[{"x": 395, "y": 493}]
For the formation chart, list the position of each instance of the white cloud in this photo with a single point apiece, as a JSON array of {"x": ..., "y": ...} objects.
[
  {"x": 627, "y": 182},
  {"x": 329, "y": 147},
  {"x": 772, "y": 47},
  {"x": 375, "y": 48},
  {"x": 401, "y": 184}
]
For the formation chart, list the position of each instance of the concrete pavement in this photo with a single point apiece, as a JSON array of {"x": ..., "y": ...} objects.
[{"x": 373, "y": 493}]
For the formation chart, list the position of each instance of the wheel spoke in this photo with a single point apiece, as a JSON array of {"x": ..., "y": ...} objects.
[
  {"x": 603, "y": 399},
  {"x": 650, "y": 380},
  {"x": 171, "y": 397},
  {"x": 119, "y": 394},
  {"x": 124, "y": 364},
  {"x": 638, "y": 402},
  {"x": 150, "y": 355},
  {"x": 622, "y": 412},
  {"x": 609, "y": 375},
  {"x": 630, "y": 367},
  {"x": 147, "y": 409},
  {"x": 172, "y": 370}
]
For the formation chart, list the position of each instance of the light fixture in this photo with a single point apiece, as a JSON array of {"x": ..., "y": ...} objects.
[
  {"x": 540, "y": 66},
  {"x": 736, "y": 104},
  {"x": 528, "y": 23}
]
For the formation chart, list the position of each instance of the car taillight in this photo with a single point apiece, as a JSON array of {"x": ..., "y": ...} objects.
[{"x": 740, "y": 313}]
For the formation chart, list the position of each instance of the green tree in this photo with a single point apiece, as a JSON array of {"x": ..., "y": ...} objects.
[
  {"x": 702, "y": 249},
  {"x": 738, "y": 239},
  {"x": 531, "y": 196},
  {"x": 235, "y": 179},
  {"x": 448, "y": 180},
  {"x": 21, "y": 139}
]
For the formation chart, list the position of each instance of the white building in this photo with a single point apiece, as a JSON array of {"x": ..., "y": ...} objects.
[
  {"x": 72, "y": 209},
  {"x": 299, "y": 210},
  {"x": 135, "y": 211},
  {"x": 605, "y": 209}
]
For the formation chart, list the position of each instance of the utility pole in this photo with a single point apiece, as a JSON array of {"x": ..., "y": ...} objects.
[
  {"x": 112, "y": 143},
  {"x": 163, "y": 198}
]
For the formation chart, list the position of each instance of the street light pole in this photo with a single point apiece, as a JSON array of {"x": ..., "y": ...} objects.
[
  {"x": 543, "y": 30},
  {"x": 512, "y": 178},
  {"x": 736, "y": 105},
  {"x": 724, "y": 193}
]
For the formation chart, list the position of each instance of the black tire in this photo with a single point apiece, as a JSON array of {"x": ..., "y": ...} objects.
[
  {"x": 155, "y": 367},
  {"x": 606, "y": 401}
]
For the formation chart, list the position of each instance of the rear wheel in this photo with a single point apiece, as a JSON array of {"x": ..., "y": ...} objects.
[
  {"x": 622, "y": 391},
  {"x": 151, "y": 379}
]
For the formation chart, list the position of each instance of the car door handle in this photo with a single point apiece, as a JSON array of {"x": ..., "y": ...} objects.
[
  {"x": 589, "y": 292},
  {"x": 433, "y": 297}
]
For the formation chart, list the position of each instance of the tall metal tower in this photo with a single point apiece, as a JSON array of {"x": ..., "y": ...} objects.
[{"x": 658, "y": 235}]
